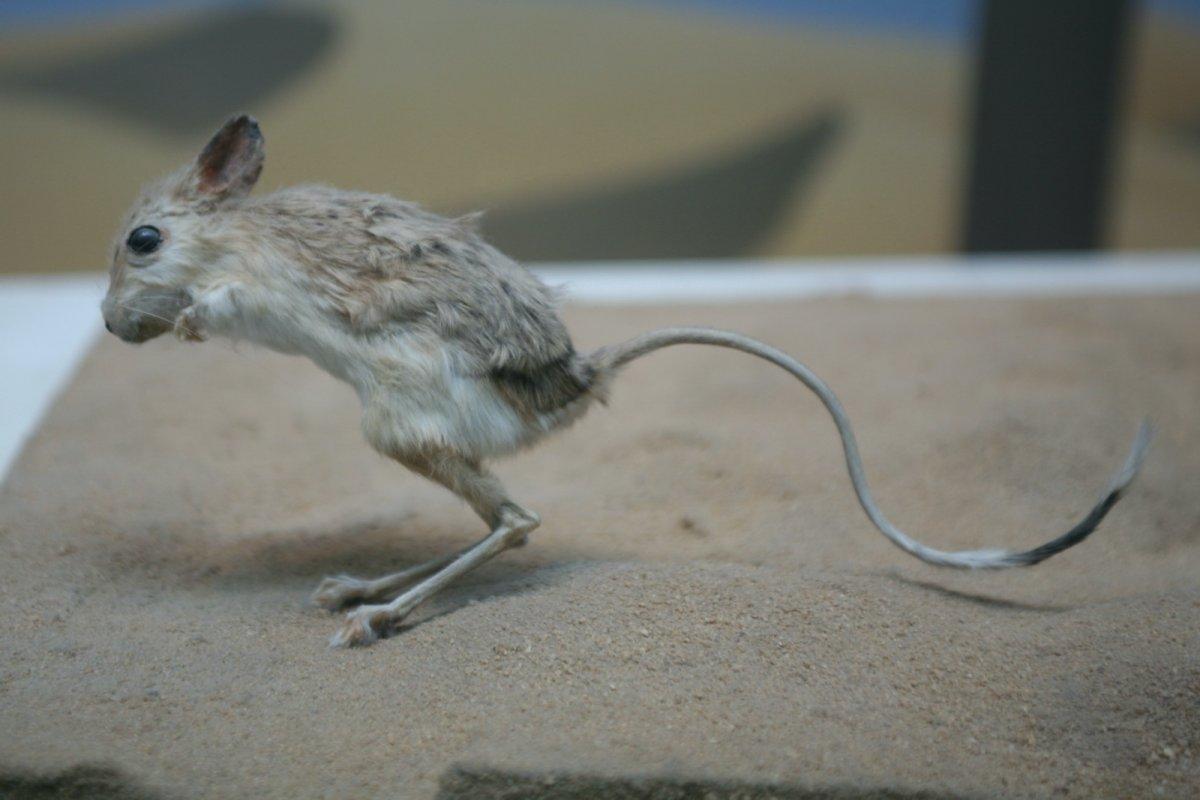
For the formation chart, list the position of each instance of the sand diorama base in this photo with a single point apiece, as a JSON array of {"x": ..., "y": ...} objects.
[{"x": 704, "y": 613}]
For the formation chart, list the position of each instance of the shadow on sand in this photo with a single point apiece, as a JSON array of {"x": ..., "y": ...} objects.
[
  {"x": 94, "y": 782},
  {"x": 996, "y": 603},
  {"x": 484, "y": 783},
  {"x": 298, "y": 559}
]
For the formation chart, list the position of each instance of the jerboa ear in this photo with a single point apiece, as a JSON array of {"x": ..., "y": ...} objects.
[{"x": 229, "y": 165}]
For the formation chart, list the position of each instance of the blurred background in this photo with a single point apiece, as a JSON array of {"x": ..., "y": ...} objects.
[{"x": 602, "y": 129}]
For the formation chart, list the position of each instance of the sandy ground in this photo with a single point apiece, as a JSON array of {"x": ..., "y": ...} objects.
[{"x": 705, "y": 605}]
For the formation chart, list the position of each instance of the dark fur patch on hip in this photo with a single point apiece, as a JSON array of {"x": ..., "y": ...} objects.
[{"x": 548, "y": 388}]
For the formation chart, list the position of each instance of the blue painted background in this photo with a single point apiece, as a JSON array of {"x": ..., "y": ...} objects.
[{"x": 944, "y": 19}]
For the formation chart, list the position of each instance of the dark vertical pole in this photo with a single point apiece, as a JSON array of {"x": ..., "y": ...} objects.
[{"x": 1047, "y": 89}]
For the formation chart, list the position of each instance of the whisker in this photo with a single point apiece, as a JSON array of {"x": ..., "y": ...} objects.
[
  {"x": 163, "y": 296},
  {"x": 144, "y": 312},
  {"x": 155, "y": 316}
]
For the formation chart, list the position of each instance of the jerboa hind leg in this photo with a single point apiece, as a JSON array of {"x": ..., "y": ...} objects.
[{"x": 608, "y": 360}]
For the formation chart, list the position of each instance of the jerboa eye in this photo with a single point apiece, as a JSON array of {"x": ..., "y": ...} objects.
[{"x": 144, "y": 239}]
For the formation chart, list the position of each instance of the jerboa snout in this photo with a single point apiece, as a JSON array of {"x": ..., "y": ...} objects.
[{"x": 609, "y": 359}]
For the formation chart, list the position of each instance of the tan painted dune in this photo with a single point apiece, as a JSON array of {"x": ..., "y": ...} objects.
[
  {"x": 1157, "y": 182},
  {"x": 705, "y": 602},
  {"x": 465, "y": 104}
]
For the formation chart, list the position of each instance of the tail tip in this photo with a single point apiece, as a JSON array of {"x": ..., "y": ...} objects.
[{"x": 1137, "y": 455}]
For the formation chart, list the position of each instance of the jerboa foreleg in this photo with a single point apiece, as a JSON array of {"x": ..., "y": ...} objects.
[{"x": 609, "y": 359}]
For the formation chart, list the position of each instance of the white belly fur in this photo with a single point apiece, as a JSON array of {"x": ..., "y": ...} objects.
[{"x": 416, "y": 392}]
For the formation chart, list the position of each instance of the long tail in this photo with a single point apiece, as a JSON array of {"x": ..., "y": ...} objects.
[{"x": 609, "y": 359}]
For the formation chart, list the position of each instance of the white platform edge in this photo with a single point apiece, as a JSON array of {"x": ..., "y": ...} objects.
[
  {"x": 631, "y": 283},
  {"x": 48, "y": 323},
  {"x": 46, "y": 326}
]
